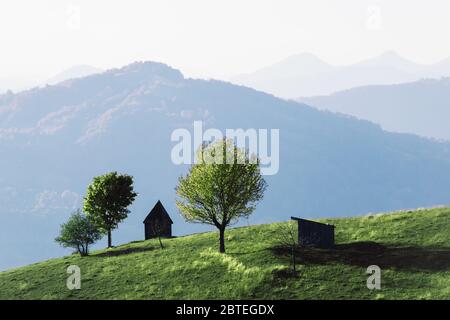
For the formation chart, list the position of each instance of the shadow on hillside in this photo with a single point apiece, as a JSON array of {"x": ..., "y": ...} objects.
[
  {"x": 243, "y": 253},
  {"x": 120, "y": 252},
  {"x": 364, "y": 254}
]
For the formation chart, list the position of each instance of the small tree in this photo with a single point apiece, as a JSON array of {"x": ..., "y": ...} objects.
[
  {"x": 224, "y": 185},
  {"x": 107, "y": 201},
  {"x": 157, "y": 230},
  {"x": 288, "y": 238},
  {"x": 78, "y": 233}
]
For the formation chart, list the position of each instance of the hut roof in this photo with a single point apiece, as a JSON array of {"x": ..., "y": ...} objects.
[
  {"x": 312, "y": 222},
  {"x": 158, "y": 211}
]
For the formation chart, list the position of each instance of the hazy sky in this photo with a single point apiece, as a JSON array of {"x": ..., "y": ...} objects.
[{"x": 213, "y": 38}]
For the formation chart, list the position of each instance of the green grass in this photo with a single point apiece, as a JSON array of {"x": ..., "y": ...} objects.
[{"x": 412, "y": 248}]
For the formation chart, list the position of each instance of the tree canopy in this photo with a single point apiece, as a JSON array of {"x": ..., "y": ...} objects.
[
  {"x": 78, "y": 233},
  {"x": 107, "y": 200}
]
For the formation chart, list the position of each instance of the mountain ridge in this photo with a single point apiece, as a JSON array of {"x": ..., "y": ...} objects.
[
  {"x": 419, "y": 107},
  {"x": 284, "y": 79}
]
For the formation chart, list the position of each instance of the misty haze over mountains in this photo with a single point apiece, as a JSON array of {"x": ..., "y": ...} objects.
[
  {"x": 421, "y": 107},
  {"x": 78, "y": 71},
  {"x": 305, "y": 75},
  {"x": 55, "y": 139},
  {"x": 24, "y": 83}
]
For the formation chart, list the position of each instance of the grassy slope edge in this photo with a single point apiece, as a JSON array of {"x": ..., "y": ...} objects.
[{"x": 412, "y": 248}]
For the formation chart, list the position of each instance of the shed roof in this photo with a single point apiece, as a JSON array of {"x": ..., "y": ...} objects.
[
  {"x": 158, "y": 211},
  {"x": 310, "y": 221}
]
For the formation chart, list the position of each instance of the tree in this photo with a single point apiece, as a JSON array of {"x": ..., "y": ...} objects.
[
  {"x": 288, "y": 239},
  {"x": 107, "y": 201},
  {"x": 157, "y": 230},
  {"x": 78, "y": 232},
  {"x": 223, "y": 185}
]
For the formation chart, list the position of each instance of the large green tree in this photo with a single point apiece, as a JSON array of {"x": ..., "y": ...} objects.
[
  {"x": 78, "y": 233},
  {"x": 223, "y": 185},
  {"x": 107, "y": 200}
]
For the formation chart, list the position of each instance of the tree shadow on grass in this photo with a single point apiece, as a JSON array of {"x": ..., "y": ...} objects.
[
  {"x": 120, "y": 252},
  {"x": 364, "y": 254}
]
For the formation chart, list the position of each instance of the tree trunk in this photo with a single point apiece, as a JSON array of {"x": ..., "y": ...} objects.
[
  {"x": 109, "y": 239},
  {"x": 222, "y": 240},
  {"x": 160, "y": 242}
]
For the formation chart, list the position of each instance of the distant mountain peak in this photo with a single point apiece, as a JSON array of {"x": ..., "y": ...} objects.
[
  {"x": 391, "y": 59},
  {"x": 140, "y": 70},
  {"x": 391, "y": 54},
  {"x": 394, "y": 57},
  {"x": 156, "y": 69},
  {"x": 296, "y": 66}
]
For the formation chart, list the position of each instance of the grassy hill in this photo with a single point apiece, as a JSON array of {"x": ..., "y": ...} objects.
[{"x": 412, "y": 248}]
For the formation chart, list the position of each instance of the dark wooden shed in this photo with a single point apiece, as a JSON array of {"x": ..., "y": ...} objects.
[
  {"x": 158, "y": 222},
  {"x": 311, "y": 233}
]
